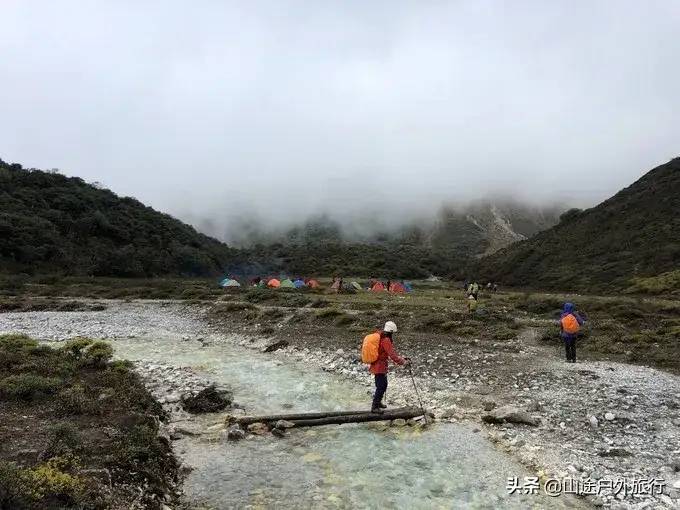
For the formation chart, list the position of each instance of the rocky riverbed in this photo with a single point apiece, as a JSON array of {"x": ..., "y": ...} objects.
[{"x": 588, "y": 421}]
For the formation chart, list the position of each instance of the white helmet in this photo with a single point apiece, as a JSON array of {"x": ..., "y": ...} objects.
[{"x": 390, "y": 327}]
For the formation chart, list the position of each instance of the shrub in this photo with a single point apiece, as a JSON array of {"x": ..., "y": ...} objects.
[
  {"x": 76, "y": 401},
  {"x": 97, "y": 355},
  {"x": 318, "y": 303},
  {"x": 52, "y": 480},
  {"x": 76, "y": 346},
  {"x": 16, "y": 490},
  {"x": 235, "y": 306},
  {"x": 344, "y": 320},
  {"x": 328, "y": 313},
  {"x": 28, "y": 386},
  {"x": 121, "y": 365},
  {"x": 259, "y": 295},
  {"x": 540, "y": 305},
  {"x": 17, "y": 342}
]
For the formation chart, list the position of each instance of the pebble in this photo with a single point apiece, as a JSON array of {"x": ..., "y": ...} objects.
[{"x": 609, "y": 416}]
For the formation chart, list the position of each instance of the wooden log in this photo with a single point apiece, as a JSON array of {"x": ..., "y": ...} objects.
[
  {"x": 247, "y": 420},
  {"x": 387, "y": 415},
  {"x": 404, "y": 413}
]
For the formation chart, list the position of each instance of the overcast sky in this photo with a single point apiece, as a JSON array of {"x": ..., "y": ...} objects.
[{"x": 285, "y": 108}]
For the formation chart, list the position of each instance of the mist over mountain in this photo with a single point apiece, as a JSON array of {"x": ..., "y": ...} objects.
[{"x": 471, "y": 229}]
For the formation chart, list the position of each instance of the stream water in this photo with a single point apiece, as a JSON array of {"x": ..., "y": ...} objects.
[{"x": 349, "y": 466}]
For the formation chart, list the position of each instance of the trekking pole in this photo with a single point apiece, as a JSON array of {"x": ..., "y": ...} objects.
[{"x": 420, "y": 402}]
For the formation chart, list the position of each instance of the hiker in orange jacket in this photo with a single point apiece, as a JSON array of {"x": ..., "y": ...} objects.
[{"x": 379, "y": 367}]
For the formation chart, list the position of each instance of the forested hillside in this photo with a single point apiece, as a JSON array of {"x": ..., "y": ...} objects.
[
  {"x": 53, "y": 223},
  {"x": 619, "y": 244}
]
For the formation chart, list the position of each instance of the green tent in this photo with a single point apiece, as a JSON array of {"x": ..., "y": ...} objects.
[{"x": 287, "y": 284}]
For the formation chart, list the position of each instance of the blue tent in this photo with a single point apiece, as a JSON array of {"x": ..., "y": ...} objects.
[
  {"x": 299, "y": 283},
  {"x": 228, "y": 282},
  {"x": 408, "y": 287}
]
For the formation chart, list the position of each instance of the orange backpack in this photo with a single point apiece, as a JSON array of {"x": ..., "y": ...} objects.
[
  {"x": 570, "y": 324},
  {"x": 370, "y": 348}
]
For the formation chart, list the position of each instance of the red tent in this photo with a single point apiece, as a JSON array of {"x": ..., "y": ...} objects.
[
  {"x": 378, "y": 287},
  {"x": 397, "y": 288},
  {"x": 313, "y": 284}
]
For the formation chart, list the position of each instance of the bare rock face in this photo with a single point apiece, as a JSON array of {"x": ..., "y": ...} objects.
[
  {"x": 208, "y": 400},
  {"x": 510, "y": 414}
]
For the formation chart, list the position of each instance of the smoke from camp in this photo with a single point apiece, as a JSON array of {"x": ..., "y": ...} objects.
[{"x": 375, "y": 114}]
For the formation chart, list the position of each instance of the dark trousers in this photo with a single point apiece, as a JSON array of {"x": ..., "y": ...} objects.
[
  {"x": 380, "y": 389},
  {"x": 570, "y": 347}
]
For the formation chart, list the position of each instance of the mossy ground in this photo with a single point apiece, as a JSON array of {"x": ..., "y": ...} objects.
[{"x": 77, "y": 430}]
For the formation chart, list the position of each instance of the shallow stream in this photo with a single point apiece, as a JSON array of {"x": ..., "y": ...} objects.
[{"x": 348, "y": 466}]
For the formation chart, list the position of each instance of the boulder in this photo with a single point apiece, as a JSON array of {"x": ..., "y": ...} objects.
[
  {"x": 489, "y": 405},
  {"x": 276, "y": 346},
  {"x": 399, "y": 422},
  {"x": 278, "y": 432},
  {"x": 235, "y": 433},
  {"x": 258, "y": 428},
  {"x": 615, "y": 452},
  {"x": 510, "y": 414},
  {"x": 208, "y": 400},
  {"x": 284, "y": 424}
]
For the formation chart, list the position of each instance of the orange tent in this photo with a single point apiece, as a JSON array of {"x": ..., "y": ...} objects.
[
  {"x": 378, "y": 287},
  {"x": 397, "y": 288},
  {"x": 273, "y": 283},
  {"x": 313, "y": 284}
]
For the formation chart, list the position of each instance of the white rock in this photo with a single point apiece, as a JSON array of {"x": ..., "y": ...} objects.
[
  {"x": 593, "y": 422},
  {"x": 609, "y": 416}
]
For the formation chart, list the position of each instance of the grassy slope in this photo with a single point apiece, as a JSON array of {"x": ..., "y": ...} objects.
[
  {"x": 52, "y": 223},
  {"x": 635, "y": 233}
]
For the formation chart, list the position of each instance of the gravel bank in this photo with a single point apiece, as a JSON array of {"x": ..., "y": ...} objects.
[{"x": 596, "y": 420}]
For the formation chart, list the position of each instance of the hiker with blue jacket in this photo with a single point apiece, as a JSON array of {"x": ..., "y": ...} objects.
[{"x": 570, "y": 325}]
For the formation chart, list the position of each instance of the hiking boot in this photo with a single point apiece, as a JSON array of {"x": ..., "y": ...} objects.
[
  {"x": 382, "y": 406},
  {"x": 376, "y": 410}
]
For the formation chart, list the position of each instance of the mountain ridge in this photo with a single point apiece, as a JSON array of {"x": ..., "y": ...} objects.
[
  {"x": 633, "y": 234},
  {"x": 53, "y": 223}
]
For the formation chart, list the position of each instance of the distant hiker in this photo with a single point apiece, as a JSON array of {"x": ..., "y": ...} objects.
[
  {"x": 570, "y": 325},
  {"x": 376, "y": 349},
  {"x": 473, "y": 290},
  {"x": 472, "y": 304},
  {"x": 488, "y": 286},
  {"x": 495, "y": 287}
]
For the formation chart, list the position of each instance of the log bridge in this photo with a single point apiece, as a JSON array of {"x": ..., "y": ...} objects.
[{"x": 333, "y": 417}]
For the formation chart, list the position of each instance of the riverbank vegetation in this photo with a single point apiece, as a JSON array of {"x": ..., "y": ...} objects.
[{"x": 78, "y": 430}]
